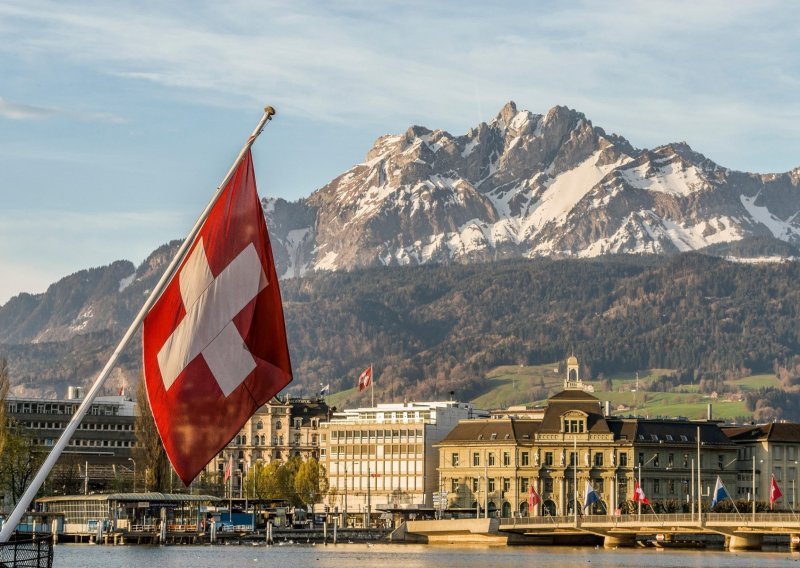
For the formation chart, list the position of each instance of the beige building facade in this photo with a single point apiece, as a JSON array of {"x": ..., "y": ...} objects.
[
  {"x": 488, "y": 466},
  {"x": 279, "y": 430}
]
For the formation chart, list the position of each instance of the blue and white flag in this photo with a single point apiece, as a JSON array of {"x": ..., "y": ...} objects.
[
  {"x": 590, "y": 496},
  {"x": 325, "y": 389},
  {"x": 720, "y": 493}
]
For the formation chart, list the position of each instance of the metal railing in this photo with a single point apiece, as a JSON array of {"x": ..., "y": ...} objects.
[
  {"x": 23, "y": 551},
  {"x": 743, "y": 518}
]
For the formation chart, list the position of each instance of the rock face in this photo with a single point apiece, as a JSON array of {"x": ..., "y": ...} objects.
[{"x": 525, "y": 185}]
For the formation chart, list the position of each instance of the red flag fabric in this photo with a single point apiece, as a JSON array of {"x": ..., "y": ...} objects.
[
  {"x": 638, "y": 494},
  {"x": 533, "y": 498},
  {"x": 214, "y": 343},
  {"x": 228, "y": 469},
  {"x": 774, "y": 492},
  {"x": 365, "y": 378}
]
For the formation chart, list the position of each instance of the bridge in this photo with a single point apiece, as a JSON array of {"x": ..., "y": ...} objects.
[{"x": 742, "y": 531}]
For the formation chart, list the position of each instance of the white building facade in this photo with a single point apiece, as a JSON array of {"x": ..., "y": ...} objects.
[{"x": 382, "y": 458}]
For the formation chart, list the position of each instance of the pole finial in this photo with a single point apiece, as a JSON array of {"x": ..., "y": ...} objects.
[{"x": 269, "y": 110}]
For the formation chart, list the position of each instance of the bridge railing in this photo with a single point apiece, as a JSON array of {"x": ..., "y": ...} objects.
[{"x": 655, "y": 519}]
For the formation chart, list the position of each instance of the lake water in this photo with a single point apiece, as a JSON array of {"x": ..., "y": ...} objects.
[{"x": 405, "y": 556}]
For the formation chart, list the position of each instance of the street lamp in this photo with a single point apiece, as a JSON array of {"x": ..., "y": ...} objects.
[{"x": 134, "y": 473}]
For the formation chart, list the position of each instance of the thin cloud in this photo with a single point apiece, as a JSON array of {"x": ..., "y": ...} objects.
[{"x": 16, "y": 111}]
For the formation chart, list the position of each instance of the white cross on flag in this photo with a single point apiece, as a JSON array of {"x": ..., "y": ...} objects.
[{"x": 215, "y": 342}]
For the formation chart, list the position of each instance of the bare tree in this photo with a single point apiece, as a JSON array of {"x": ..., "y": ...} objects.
[
  {"x": 4, "y": 384},
  {"x": 151, "y": 459}
]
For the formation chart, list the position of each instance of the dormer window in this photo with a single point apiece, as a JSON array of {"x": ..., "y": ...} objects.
[{"x": 573, "y": 423}]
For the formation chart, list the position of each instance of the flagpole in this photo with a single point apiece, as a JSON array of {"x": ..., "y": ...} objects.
[
  {"x": 13, "y": 519},
  {"x": 372, "y": 384}
]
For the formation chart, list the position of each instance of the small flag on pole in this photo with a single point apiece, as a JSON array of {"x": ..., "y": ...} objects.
[
  {"x": 774, "y": 492},
  {"x": 720, "y": 493},
  {"x": 228, "y": 469},
  {"x": 638, "y": 494},
  {"x": 324, "y": 389},
  {"x": 533, "y": 497},
  {"x": 365, "y": 378},
  {"x": 590, "y": 496}
]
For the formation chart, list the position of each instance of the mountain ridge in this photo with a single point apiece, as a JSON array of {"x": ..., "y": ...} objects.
[{"x": 526, "y": 185}]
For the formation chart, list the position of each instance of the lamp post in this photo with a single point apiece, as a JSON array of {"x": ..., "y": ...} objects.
[{"x": 134, "y": 473}]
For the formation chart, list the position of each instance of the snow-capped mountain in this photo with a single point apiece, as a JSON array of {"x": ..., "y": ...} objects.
[{"x": 525, "y": 185}]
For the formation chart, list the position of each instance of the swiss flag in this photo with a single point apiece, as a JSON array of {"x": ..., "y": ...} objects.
[
  {"x": 365, "y": 378},
  {"x": 533, "y": 498},
  {"x": 774, "y": 492},
  {"x": 638, "y": 494},
  {"x": 214, "y": 343}
]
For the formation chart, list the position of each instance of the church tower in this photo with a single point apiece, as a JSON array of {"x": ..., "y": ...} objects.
[{"x": 573, "y": 380}]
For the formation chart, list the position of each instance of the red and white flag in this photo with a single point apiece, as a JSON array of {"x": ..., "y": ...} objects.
[
  {"x": 533, "y": 498},
  {"x": 228, "y": 469},
  {"x": 365, "y": 378},
  {"x": 774, "y": 492},
  {"x": 638, "y": 494},
  {"x": 214, "y": 343}
]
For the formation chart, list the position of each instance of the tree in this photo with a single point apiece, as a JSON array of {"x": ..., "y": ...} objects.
[
  {"x": 4, "y": 384},
  {"x": 310, "y": 481},
  {"x": 19, "y": 462},
  {"x": 151, "y": 459}
]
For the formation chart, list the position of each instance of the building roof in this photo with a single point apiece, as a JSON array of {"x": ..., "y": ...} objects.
[
  {"x": 150, "y": 496},
  {"x": 659, "y": 431},
  {"x": 497, "y": 430},
  {"x": 774, "y": 432},
  {"x": 569, "y": 400}
]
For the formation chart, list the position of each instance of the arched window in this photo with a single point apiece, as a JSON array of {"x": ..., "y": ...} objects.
[
  {"x": 259, "y": 425},
  {"x": 244, "y": 440},
  {"x": 278, "y": 425}
]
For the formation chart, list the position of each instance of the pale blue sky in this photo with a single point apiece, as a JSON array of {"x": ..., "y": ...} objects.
[{"x": 118, "y": 119}]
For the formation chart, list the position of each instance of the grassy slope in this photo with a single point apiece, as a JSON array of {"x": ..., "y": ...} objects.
[{"x": 514, "y": 385}]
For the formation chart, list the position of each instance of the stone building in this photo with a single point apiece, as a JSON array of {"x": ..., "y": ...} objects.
[
  {"x": 487, "y": 466},
  {"x": 766, "y": 450},
  {"x": 279, "y": 430}
]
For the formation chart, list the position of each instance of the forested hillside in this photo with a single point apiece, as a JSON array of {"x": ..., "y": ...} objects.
[{"x": 435, "y": 328}]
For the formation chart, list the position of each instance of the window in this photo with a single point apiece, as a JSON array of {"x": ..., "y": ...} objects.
[
  {"x": 623, "y": 459},
  {"x": 259, "y": 425},
  {"x": 454, "y": 460},
  {"x": 641, "y": 458},
  {"x": 491, "y": 484},
  {"x": 474, "y": 484},
  {"x": 548, "y": 485},
  {"x": 670, "y": 460},
  {"x": 523, "y": 485},
  {"x": 685, "y": 460},
  {"x": 573, "y": 458},
  {"x": 656, "y": 486},
  {"x": 598, "y": 459},
  {"x": 671, "y": 486},
  {"x": 548, "y": 458},
  {"x": 525, "y": 458},
  {"x": 778, "y": 452},
  {"x": 454, "y": 485},
  {"x": 491, "y": 458},
  {"x": 506, "y": 484},
  {"x": 791, "y": 453},
  {"x": 778, "y": 474},
  {"x": 655, "y": 461},
  {"x": 476, "y": 458},
  {"x": 506, "y": 458},
  {"x": 721, "y": 461}
]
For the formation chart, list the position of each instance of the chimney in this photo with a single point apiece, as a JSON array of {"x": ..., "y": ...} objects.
[{"x": 607, "y": 408}]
